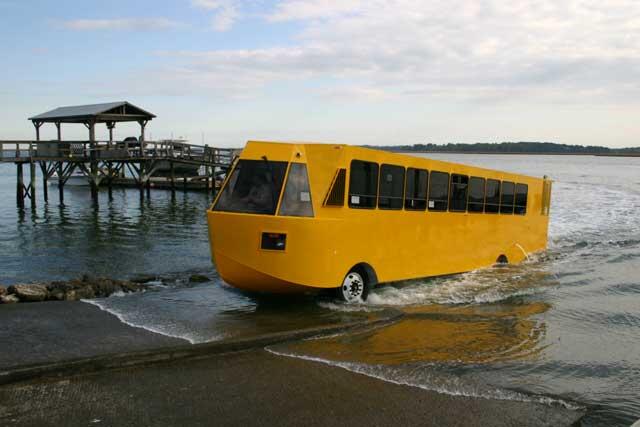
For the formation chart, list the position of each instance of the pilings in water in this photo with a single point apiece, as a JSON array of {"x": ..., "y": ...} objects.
[
  {"x": 60, "y": 183},
  {"x": 20, "y": 190},
  {"x": 32, "y": 183},
  {"x": 45, "y": 180}
]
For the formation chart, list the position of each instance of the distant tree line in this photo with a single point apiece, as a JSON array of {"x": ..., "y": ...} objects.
[{"x": 512, "y": 147}]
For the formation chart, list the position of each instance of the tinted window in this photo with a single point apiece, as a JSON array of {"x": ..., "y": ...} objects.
[
  {"x": 439, "y": 191},
  {"x": 335, "y": 197},
  {"x": 492, "y": 199},
  {"x": 521, "y": 199},
  {"x": 476, "y": 195},
  {"x": 415, "y": 195},
  {"x": 253, "y": 187},
  {"x": 506, "y": 199},
  {"x": 296, "y": 200},
  {"x": 363, "y": 184},
  {"x": 391, "y": 187},
  {"x": 459, "y": 187}
]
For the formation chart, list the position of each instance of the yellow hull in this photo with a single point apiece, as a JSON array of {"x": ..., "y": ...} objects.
[{"x": 396, "y": 245}]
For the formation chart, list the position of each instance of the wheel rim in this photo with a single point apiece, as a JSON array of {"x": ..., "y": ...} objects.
[{"x": 353, "y": 287}]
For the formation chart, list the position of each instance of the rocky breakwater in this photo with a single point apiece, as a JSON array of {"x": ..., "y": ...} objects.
[{"x": 72, "y": 290}]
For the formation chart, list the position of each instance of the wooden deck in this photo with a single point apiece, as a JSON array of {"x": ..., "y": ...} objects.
[{"x": 107, "y": 162}]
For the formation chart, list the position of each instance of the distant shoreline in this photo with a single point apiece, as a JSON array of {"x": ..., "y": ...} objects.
[{"x": 520, "y": 153}]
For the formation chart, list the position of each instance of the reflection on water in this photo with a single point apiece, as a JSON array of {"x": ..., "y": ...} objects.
[
  {"x": 478, "y": 317},
  {"x": 439, "y": 334}
]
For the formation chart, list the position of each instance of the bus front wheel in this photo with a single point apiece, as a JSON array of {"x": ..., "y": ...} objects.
[{"x": 355, "y": 287}]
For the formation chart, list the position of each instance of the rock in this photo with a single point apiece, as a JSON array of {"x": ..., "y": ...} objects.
[
  {"x": 56, "y": 295},
  {"x": 30, "y": 293},
  {"x": 131, "y": 286},
  {"x": 9, "y": 299},
  {"x": 70, "y": 296},
  {"x": 3, "y": 290},
  {"x": 105, "y": 287},
  {"x": 85, "y": 292},
  {"x": 144, "y": 279},
  {"x": 198, "y": 278}
]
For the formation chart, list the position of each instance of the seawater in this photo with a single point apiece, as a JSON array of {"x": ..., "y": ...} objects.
[{"x": 562, "y": 327}]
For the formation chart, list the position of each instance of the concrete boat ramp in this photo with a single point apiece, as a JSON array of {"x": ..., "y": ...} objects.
[{"x": 72, "y": 364}]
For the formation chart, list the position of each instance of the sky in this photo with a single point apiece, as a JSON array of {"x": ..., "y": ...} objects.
[{"x": 342, "y": 71}]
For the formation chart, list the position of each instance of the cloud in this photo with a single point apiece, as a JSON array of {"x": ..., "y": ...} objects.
[
  {"x": 293, "y": 10},
  {"x": 121, "y": 24},
  {"x": 225, "y": 12},
  {"x": 453, "y": 49}
]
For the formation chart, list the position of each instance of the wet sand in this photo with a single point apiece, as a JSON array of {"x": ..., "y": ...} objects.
[
  {"x": 56, "y": 331},
  {"x": 254, "y": 388},
  {"x": 251, "y": 387}
]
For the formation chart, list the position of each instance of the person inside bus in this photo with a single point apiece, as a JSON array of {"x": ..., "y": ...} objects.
[{"x": 260, "y": 194}]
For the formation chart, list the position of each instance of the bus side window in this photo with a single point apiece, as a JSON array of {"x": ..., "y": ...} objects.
[
  {"x": 297, "y": 194},
  {"x": 507, "y": 197},
  {"x": 492, "y": 198},
  {"x": 415, "y": 195},
  {"x": 522, "y": 191},
  {"x": 476, "y": 194},
  {"x": 459, "y": 187},
  {"x": 391, "y": 187},
  {"x": 363, "y": 184},
  {"x": 439, "y": 191}
]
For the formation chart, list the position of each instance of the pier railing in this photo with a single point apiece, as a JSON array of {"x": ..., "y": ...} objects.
[{"x": 86, "y": 151}]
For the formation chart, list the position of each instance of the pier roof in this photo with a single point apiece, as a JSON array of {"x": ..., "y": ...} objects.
[{"x": 122, "y": 111}]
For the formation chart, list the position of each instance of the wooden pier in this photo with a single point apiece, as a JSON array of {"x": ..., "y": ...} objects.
[{"x": 105, "y": 162}]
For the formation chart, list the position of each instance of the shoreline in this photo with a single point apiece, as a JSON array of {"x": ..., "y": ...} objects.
[
  {"x": 79, "y": 351},
  {"x": 523, "y": 153}
]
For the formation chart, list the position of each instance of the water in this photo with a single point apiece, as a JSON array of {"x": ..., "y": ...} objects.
[{"x": 562, "y": 328}]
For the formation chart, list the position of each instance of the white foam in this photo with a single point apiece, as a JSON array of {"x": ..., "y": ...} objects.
[
  {"x": 438, "y": 382},
  {"x": 166, "y": 331},
  {"x": 118, "y": 294},
  {"x": 476, "y": 287},
  {"x": 348, "y": 308}
]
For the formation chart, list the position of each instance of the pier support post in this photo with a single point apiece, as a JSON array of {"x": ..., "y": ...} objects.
[
  {"x": 110, "y": 179},
  {"x": 173, "y": 178},
  {"x": 60, "y": 183},
  {"x": 32, "y": 183},
  {"x": 184, "y": 182},
  {"x": 93, "y": 156},
  {"x": 45, "y": 178},
  {"x": 141, "y": 180},
  {"x": 94, "y": 180},
  {"x": 19, "y": 186}
]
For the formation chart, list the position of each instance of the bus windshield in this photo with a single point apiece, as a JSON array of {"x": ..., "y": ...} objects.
[{"x": 253, "y": 187}]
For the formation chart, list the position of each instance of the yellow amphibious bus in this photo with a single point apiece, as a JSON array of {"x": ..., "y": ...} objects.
[{"x": 301, "y": 217}]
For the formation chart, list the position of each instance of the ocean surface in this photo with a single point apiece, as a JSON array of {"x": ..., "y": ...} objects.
[{"x": 562, "y": 328}]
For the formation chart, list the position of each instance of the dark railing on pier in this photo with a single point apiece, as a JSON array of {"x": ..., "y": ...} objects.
[{"x": 86, "y": 151}]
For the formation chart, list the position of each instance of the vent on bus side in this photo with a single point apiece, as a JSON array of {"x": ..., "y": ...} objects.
[{"x": 335, "y": 197}]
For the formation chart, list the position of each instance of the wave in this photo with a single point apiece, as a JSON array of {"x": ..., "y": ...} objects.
[
  {"x": 172, "y": 330},
  {"x": 431, "y": 380}
]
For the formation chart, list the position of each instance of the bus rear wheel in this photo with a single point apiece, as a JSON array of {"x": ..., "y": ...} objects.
[{"x": 355, "y": 287}]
